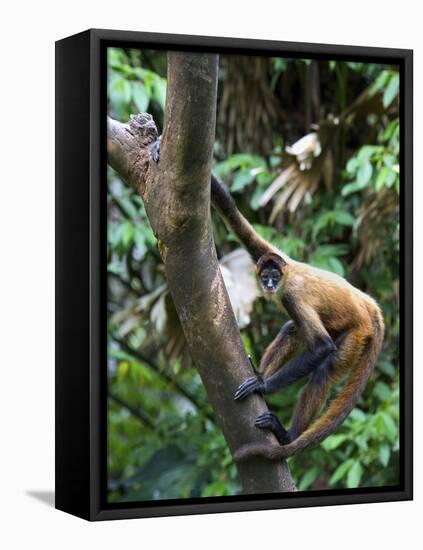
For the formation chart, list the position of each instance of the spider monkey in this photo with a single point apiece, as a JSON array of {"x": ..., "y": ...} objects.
[{"x": 335, "y": 332}]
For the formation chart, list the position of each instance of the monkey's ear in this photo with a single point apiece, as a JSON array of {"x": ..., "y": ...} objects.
[{"x": 270, "y": 257}]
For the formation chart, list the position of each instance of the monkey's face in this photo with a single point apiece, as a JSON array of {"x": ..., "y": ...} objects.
[{"x": 270, "y": 277}]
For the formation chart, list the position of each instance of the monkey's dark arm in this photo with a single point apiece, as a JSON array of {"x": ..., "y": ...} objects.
[
  {"x": 225, "y": 205},
  {"x": 277, "y": 353},
  {"x": 283, "y": 348},
  {"x": 316, "y": 359}
]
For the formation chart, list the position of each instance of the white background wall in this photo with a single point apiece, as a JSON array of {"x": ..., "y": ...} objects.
[{"x": 28, "y": 32}]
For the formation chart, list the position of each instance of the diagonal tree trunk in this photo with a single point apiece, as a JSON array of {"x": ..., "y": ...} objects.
[{"x": 176, "y": 193}]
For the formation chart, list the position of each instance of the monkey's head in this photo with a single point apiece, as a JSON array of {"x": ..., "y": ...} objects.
[{"x": 269, "y": 271}]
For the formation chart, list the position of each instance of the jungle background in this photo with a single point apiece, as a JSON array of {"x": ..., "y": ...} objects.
[{"x": 310, "y": 152}]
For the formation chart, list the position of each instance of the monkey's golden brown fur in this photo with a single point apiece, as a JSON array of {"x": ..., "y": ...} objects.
[
  {"x": 326, "y": 311},
  {"x": 329, "y": 303}
]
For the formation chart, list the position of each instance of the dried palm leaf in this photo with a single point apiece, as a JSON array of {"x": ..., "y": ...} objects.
[
  {"x": 309, "y": 161},
  {"x": 277, "y": 184},
  {"x": 306, "y": 162},
  {"x": 247, "y": 83},
  {"x": 373, "y": 221}
]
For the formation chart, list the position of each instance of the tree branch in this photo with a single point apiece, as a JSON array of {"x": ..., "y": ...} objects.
[
  {"x": 169, "y": 379},
  {"x": 176, "y": 193},
  {"x": 135, "y": 412}
]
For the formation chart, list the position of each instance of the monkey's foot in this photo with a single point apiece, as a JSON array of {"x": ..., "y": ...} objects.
[
  {"x": 155, "y": 149},
  {"x": 249, "y": 386},
  {"x": 268, "y": 421}
]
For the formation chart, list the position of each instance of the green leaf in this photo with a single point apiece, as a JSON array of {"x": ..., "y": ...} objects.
[
  {"x": 343, "y": 217},
  {"x": 327, "y": 264},
  {"x": 217, "y": 488},
  {"x": 390, "y": 160},
  {"x": 361, "y": 442},
  {"x": 324, "y": 257},
  {"x": 322, "y": 221},
  {"x": 121, "y": 91},
  {"x": 265, "y": 231},
  {"x": 336, "y": 266},
  {"x": 391, "y": 178},
  {"x": 241, "y": 180},
  {"x": 139, "y": 240},
  {"x": 390, "y": 131},
  {"x": 128, "y": 206},
  {"x": 127, "y": 234},
  {"x": 364, "y": 173},
  {"x": 115, "y": 268},
  {"x": 330, "y": 218},
  {"x": 352, "y": 188},
  {"x": 334, "y": 441},
  {"x": 383, "y": 391},
  {"x": 380, "y": 81},
  {"x": 354, "y": 475},
  {"x": 391, "y": 90},
  {"x": 358, "y": 415},
  {"x": 255, "y": 198},
  {"x": 149, "y": 236},
  {"x": 122, "y": 371},
  {"x": 140, "y": 96},
  {"x": 248, "y": 345},
  {"x": 122, "y": 355},
  {"x": 159, "y": 91},
  {"x": 355, "y": 66},
  {"x": 384, "y": 455},
  {"x": 265, "y": 178},
  {"x": 235, "y": 162},
  {"x": 352, "y": 166},
  {"x": 387, "y": 368},
  {"x": 332, "y": 250},
  {"x": 114, "y": 57},
  {"x": 368, "y": 151},
  {"x": 389, "y": 425},
  {"x": 381, "y": 178},
  {"x": 341, "y": 471},
  {"x": 308, "y": 478},
  {"x": 279, "y": 63}
]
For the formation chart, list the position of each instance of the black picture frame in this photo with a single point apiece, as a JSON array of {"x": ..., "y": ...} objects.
[{"x": 81, "y": 274}]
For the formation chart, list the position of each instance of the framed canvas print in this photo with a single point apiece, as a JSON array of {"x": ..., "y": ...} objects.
[{"x": 233, "y": 274}]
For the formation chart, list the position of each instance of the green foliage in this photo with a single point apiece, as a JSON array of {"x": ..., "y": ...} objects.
[
  {"x": 131, "y": 87},
  {"x": 163, "y": 441},
  {"x": 376, "y": 166},
  {"x": 388, "y": 83},
  {"x": 327, "y": 256},
  {"x": 244, "y": 170},
  {"x": 363, "y": 445}
]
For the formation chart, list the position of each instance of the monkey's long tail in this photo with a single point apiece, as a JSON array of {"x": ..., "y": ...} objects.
[
  {"x": 335, "y": 414},
  {"x": 225, "y": 205}
]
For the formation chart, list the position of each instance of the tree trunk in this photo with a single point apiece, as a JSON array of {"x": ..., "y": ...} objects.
[{"x": 176, "y": 193}]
